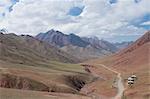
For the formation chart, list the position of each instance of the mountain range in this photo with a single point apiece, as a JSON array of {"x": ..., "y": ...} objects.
[
  {"x": 33, "y": 69},
  {"x": 81, "y": 47},
  {"x": 122, "y": 45},
  {"x": 45, "y": 63},
  {"x": 71, "y": 47},
  {"x": 26, "y": 49}
]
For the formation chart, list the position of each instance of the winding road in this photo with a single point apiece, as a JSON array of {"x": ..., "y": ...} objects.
[{"x": 120, "y": 85}]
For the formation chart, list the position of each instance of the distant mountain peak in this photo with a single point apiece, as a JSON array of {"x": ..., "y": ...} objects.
[
  {"x": 94, "y": 37},
  {"x": 28, "y": 49},
  {"x": 122, "y": 45},
  {"x": 52, "y": 31},
  {"x": 76, "y": 45},
  {"x": 57, "y": 38},
  {"x": 3, "y": 30},
  {"x": 72, "y": 34},
  {"x": 101, "y": 44}
]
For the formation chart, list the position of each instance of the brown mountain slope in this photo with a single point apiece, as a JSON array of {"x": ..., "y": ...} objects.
[
  {"x": 29, "y": 64},
  {"x": 82, "y": 48},
  {"x": 134, "y": 59},
  {"x": 85, "y": 53},
  {"x": 27, "y": 49},
  {"x": 135, "y": 55}
]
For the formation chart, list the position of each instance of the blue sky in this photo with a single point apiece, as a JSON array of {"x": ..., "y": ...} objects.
[
  {"x": 137, "y": 22},
  {"x": 75, "y": 11},
  {"x": 113, "y": 20}
]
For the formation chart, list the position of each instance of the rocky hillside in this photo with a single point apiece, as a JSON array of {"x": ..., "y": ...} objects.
[
  {"x": 59, "y": 39},
  {"x": 135, "y": 59},
  {"x": 27, "y": 49},
  {"x": 82, "y": 48},
  {"x": 133, "y": 56},
  {"x": 101, "y": 44},
  {"x": 132, "y": 60},
  {"x": 145, "y": 39}
]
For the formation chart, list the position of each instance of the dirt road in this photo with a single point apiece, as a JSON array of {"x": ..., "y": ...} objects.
[{"x": 119, "y": 86}]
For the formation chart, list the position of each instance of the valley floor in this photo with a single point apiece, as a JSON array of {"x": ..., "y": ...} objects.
[
  {"x": 26, "y": 94},
  {"x": 107, "y": 83},
  {"x": 102, "y": 87}
]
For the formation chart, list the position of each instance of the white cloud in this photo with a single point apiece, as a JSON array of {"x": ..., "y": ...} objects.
[
  {"x": 4, "y": 4},
  {"x": 146, "y": 23},
  {"x": 30, "y": 16},
  {"x": 99, "y": 17}
]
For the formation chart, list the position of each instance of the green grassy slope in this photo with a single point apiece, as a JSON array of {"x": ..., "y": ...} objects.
[{"x": 58, "y": 77}]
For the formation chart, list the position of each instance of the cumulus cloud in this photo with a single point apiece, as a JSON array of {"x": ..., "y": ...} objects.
[
  {"x": 4, "y": 4},
  {"x": 30, "y": 16},
  {"x": 99, "y": 17},
  {"x": 146, "y": 23}
]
